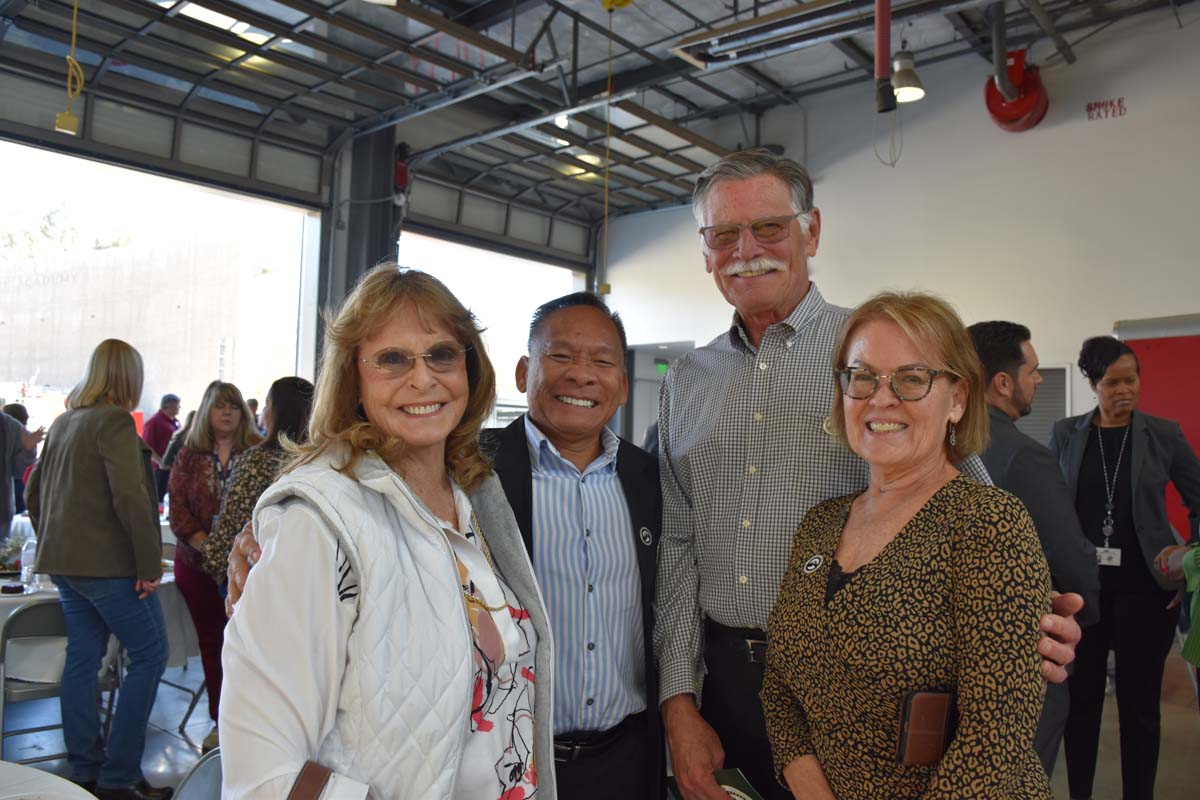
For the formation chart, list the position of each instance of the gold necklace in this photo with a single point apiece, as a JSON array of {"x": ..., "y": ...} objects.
[{"x": 487, "y": 553}]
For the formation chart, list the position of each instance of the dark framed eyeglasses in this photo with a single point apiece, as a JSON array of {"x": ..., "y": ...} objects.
[
  {"x": 767, "y": 230},
  {"x": 910, "y": 383},
  {"x": 396, "y": 362}
]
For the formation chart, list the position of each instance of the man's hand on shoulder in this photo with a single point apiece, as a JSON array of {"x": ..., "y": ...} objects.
[
  {"x": 1057, "y": 647},
  {"x": 242, "y": 556},
  {"x": 696, "y": 751}
]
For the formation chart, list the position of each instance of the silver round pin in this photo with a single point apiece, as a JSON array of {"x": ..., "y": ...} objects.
[
  {"x": 814, "y": 563},
  {"x": 645, "y": 536}
]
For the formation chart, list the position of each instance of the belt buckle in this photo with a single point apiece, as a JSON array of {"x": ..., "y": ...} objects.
[
  {"x": 751, "y": 653},
  {"x": 565, "y": 753}
]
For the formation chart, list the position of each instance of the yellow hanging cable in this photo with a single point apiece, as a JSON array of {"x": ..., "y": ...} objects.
[{"x": 66, "y": 122}]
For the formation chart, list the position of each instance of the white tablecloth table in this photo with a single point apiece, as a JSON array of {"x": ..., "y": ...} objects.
[
  {"x": 43, "y": 659},
  {"x": 19, "y": 782}
]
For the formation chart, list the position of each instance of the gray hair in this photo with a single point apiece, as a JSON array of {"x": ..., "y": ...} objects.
[{"x": 745, "y": 164}]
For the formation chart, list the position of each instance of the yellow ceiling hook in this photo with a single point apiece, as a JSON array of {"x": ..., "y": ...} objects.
[{"x": 613, "y": 5}]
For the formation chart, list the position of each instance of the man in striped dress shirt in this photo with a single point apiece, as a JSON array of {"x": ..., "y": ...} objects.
[
  {"x": 744, "y": 453},
  {"x": 589, "y": 509}
]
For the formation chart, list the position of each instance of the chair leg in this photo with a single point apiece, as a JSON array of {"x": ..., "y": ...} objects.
[
  {"x": 192, "y": 706},
  {"x": 108, "y": 714}
]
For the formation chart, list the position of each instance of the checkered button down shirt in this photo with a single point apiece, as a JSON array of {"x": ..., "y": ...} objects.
[{"x": 744, "y": 455}]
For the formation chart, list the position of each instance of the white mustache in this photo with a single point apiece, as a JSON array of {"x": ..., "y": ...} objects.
[{"x": 759, "y": 264}]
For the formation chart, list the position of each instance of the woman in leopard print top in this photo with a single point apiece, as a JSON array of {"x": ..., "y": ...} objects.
[{"x": 925, "y": 580}]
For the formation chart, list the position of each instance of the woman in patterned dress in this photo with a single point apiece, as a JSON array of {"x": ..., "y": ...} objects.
[
  {"x": 391, "y": 637},
  {"x": 926, "y": 580},
  {"x": 285, "y": 416}
]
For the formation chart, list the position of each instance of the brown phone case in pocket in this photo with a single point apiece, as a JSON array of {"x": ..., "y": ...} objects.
[{"x": 927, "y": 722}]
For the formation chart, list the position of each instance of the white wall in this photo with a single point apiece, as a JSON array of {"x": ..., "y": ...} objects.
[{"x": 1068, "y": 227}]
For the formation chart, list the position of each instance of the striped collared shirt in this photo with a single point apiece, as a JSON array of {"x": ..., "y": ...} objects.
[
  {"x": 585, "y": 561},
  {"x": 744, "y": 454}
]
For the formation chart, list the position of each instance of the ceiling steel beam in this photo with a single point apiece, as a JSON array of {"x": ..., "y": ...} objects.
[
  {"x": 461, "y": 32},
  {"x": 856, "y": 54},
  {"x": 976, "y": 36},
  {"x": 1038, "y": 11},
  {"x": 616, "y": 157},
  {"x": 493, "y": 12},
  {"x": 678, "y": 131},
  {"x": 597, "y": 124},
  {"x": 596, "y": 169},
  {"x": 451, "y": 95},
  {"x": 517, "y": 127}
]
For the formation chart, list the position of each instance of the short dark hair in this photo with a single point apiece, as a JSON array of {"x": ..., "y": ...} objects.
[
  {"x": 998, "y": 344},
  {"x": 167, "y": 399},
  {"x": 1098, "y": 354},
  {"x": 570, "y": 301},
  {"x": 17, "y": 412},
  {"x": 291, "y": 403}
]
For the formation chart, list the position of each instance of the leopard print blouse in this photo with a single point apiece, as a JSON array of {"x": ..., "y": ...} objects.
[{"x": 952, "y": 602}]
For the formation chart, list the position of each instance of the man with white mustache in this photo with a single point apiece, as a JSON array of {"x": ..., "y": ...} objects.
[
  {"x": 588, "y": 506},
  {"x": 744, "y": 452}
]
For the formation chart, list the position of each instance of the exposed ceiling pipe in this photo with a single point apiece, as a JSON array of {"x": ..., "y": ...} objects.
[
  {"x": 1046, "y": 24},
  {"x": 1009, "y": 92},
  {"x": 885, "y": 97}
]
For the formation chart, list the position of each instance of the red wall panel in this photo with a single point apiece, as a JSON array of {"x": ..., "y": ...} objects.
[{"x": 1171, "y": 389}]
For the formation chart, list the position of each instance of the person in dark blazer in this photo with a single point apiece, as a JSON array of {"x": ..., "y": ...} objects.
[
  {"x": 1117, "y": 462},
  {"x": 589, "y": 510},
  {"x": 1022, "y": 466},
  {"x": 572, "y": 483}
]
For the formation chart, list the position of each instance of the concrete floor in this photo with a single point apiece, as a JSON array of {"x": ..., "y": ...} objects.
[{"x": 169, "y": 753}]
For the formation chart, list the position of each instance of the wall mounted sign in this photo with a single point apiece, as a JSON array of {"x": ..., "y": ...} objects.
[{"x": 1106, "y": 109}]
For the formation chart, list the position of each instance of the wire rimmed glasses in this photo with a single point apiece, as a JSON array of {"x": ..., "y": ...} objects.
[
  {"x": 396, "y": 362},
  {"x": 766, "y": 230}
]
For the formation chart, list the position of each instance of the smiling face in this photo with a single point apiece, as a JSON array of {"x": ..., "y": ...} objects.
[
  {"x": 421, "y": 407},
  {"x": 761, "y": 298},
  {"x": 224, "y": 418},
  {"x": 1118, "y": 391},
  {"x": 575, "y": 375},
  {"x": 892, "y": 435}
]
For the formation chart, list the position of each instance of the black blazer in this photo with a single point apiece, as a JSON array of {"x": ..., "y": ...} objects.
[
  {"x": 638, "y": 473},
  {"x": 1158, "y": 453},
  {"x": 1018, "y": 464}
]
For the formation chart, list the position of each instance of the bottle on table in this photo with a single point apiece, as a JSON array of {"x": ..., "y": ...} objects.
[{"x": 30, "y": 579}]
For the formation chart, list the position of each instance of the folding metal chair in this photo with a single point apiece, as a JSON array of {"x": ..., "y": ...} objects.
[{"x": 43, "y": 618}]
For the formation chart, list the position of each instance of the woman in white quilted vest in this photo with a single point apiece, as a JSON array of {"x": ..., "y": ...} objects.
[{"x": 391, "y": 641}]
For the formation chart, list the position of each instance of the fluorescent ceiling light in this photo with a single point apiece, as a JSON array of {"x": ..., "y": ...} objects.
[
  {"x": 214, "y": 18},
  {"x": 562, "y": 121}
]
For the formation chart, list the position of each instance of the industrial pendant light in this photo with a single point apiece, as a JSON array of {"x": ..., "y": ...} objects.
[{"x": 904, "y": 78}]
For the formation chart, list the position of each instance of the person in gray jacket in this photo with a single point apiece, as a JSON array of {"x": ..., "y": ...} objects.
[
  {"x": 1022, "y": 466},
  {"x": 1117, "y": 462}
]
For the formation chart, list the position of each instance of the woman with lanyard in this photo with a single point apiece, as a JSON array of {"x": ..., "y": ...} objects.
[
  {"x": 222, "y": 431},
  {"x": 1117, "y": 462}
]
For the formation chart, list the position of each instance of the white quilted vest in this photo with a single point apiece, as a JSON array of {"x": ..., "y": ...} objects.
[{"x": 405, "y": 698}]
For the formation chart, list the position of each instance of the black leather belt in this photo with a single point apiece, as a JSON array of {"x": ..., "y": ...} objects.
[
  {"x": 750, "y": 643},
  {"x": 581, "y": 744}
]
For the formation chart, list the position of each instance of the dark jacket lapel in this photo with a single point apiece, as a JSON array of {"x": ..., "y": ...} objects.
[{"x": 510, "y": 454}]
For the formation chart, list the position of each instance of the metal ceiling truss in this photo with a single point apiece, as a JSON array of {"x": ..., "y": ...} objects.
[{"x": 326, "y": 72}]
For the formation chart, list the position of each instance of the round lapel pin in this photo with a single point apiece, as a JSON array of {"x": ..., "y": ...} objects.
[
  {"x": 814, "y": 564},
  {"x": 644, "y": 535}
]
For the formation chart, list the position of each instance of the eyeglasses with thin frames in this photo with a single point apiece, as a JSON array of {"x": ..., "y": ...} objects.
[
  {"x": 767, "y": 230},
  {"x": 909, "y": 384},
  {"x": 396, "y": 362}
]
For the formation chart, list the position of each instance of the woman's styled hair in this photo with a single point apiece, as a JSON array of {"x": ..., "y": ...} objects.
[
  {"x": 936, "y": 330},
  {"x": 1098, "y": 354},
  {"x": 200, "y": 437},
  {"x": 290, "y": 400},
  {"x": 114, "y": 375},
  {"x": 337, "y": 415}
]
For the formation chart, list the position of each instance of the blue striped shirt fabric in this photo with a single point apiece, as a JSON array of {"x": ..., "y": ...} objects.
[{"x": 585, "y": 560}]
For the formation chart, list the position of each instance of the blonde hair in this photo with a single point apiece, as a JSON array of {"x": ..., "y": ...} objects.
[
  {"x": 200, "y": 437},
  {"x": 114, "y": 375},
  {"x": 337, "y": 414},
  {"x": 936, "y": 330}
]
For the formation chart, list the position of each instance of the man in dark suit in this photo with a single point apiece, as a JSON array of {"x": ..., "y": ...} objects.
[
  {"x": 1022, "y": 466},
  {"x": 589, "y": 509}
]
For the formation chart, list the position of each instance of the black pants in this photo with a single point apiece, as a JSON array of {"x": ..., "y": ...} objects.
[
  {"x": 620, "y": 770},
  {"x": 1055, "y": 710},
  {"x": 1139, "y": 629},
  {"x": 730, "y": 704},
  {"x": 161, "y": 476}
]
